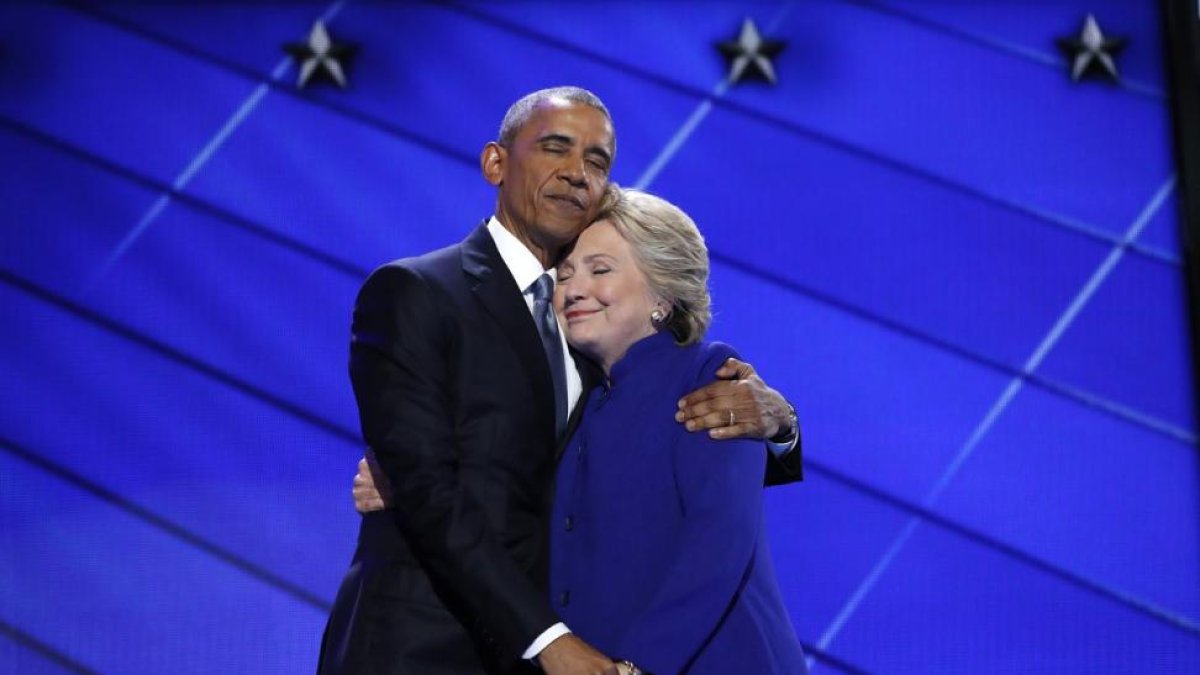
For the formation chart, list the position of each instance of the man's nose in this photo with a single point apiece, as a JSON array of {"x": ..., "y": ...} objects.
[{"x": 573, "y": 172}]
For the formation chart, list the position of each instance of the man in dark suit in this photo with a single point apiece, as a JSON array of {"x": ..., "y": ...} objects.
[{"x": 464, "y": 393}]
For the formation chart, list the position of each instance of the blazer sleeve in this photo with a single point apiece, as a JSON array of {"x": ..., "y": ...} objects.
[
  {"x": 399, "y": 366},
  {"x": 719, "y": 486}
]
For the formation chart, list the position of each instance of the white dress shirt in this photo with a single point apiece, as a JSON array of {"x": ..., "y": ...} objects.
[{"x": 525, "y": 269}]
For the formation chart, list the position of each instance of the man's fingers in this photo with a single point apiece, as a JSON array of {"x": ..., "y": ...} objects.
[
  {"x": 708, "y": 394},
  {"x": 715, "y": 419},
  {"x": 735, "y": 431},
  {"x": 729, "y": 369},
  {"x": 699, "y": 396},
  {"x": 733, "y": 369},
  {"x": 369, "y": 504},
  {"x": 695, "y": 409}
]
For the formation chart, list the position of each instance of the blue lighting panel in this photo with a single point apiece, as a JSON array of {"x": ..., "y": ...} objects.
[
  {"x": 976, "y": 275},
  {"x": 273, "y": 316},
  {"x": 969, "y": 114},
  {"x": 117, "y": 96},
  {"x": 118, "y": 595},
  {"x": 19, "y": 657},
  {"x": 348, "y": 190},
  {"x": 222, "y": 464},
  {"x": 654, "y": 39},
  {"x": 251, "y": 35},
  {"x": 101, "y": 207},
  {"x": 947, "y": 605},
  {"x": 805, "y": 524},
  {"x": 1162, "y": 232},
  {"x": 1023, "y": 27},
  {"x": 1089, "y": 494},
  {"x": 428, "y": 81},
  {"x": 1131, "y": 344},
  {"x": 883, "y": 407}
]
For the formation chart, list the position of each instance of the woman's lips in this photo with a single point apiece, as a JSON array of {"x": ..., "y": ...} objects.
[{"x": 579, "y": 313}]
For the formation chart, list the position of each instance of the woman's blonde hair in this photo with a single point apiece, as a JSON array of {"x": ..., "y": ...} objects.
[{"x": 671, "y": 254}]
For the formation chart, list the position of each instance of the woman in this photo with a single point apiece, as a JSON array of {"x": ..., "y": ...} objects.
[{"x": 659, "y": 554}]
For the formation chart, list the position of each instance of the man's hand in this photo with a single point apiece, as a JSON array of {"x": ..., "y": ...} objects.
[
  {"x": 371, "y": 490},
  {"x": 568, "y": 655},
  {"x": 758, "y": 410}
]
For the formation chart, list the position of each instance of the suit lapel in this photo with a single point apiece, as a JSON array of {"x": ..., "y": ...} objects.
[{"x": 495, "y": 289}]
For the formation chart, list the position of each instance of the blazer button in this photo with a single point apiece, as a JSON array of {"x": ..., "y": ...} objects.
[
  {"x": 569, "y": 523},
  {"x": 564, "y": 598}
]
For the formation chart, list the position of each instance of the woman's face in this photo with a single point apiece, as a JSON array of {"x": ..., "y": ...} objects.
[{"x": 602, "y": 297}]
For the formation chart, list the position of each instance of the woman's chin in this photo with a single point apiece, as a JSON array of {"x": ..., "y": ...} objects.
[{"x": 585, "y": 344}]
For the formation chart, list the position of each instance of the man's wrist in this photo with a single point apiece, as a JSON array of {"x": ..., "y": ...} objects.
[{"x": 788, "y": 433}]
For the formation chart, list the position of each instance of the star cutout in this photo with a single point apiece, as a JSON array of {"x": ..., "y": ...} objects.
[
  {"x": 320, "y": 57},
  {"x": 1092, "y": 51},
  {"x": 750, "y": 55}
]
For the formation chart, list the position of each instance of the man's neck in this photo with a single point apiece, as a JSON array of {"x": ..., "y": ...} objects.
[{"x": 547, "y": 255}]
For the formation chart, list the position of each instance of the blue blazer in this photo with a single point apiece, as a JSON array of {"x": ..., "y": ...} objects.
[{"x": 658, "y": 548}]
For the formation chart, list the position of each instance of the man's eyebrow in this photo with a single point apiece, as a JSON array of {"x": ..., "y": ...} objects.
[
  {"x": 556, "y": 138},
  {"x": 600, "y": 150}
]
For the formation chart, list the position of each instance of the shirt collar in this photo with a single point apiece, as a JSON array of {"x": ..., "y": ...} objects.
[{"x": 522, "y": 264}]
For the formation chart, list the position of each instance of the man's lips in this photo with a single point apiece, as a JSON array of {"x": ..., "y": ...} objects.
[{"x": 570, "y": 199}]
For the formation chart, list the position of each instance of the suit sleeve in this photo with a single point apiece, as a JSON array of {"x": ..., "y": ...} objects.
[
  {"x": 720, "y": 490},
  {"x": 399, "y": 366},
  {"x": 786, "y": 468}
]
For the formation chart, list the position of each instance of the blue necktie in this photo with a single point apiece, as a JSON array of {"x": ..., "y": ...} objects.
[{"x": 547, "y": 327}]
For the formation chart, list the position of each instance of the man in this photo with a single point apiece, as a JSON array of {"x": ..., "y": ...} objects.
[{"x": 465, "y": 391}]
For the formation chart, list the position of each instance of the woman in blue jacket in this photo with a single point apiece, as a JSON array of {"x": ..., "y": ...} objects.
[{"x": 658, "y": 551}]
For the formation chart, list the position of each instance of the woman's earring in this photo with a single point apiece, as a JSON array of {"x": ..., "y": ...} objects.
[{"x": 657, "y": 316}]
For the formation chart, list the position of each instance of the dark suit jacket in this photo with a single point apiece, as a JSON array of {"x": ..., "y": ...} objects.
[{"x": 455, "y": 397}]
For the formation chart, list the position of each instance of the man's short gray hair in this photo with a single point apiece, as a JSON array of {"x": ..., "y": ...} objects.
[
  {"x": 520, "y": 112},
  {"x": 671, "y": 253}
]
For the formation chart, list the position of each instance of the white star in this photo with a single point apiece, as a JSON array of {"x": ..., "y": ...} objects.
[
  {"x": 1092, "y": 50},
  {"x": 750, "y": 53},
  {"x": 319, "y": 55}
]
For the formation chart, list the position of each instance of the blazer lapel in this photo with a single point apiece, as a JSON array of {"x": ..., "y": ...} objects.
[{"x": 497, "y": 292}]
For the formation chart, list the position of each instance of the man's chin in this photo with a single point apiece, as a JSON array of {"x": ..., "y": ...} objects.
[{"x": 564, "y": 232}]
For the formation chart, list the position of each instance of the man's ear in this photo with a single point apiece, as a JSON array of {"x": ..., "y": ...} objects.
[{"x": 491, "y": 161}]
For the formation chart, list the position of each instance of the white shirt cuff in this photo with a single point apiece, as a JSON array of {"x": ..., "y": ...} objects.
[
  {"x": 781, "y": 449},
  {"x": 549, "y": 635}
]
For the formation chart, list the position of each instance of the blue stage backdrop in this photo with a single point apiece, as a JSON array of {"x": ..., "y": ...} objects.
[{"x": 961, "y": 265}]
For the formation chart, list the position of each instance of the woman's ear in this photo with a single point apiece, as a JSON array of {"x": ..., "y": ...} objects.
[
  {"x": 491, "y": 161},
  {"x": 660, "y": 313}
]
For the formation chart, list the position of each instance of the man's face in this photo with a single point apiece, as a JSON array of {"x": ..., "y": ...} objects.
[{"x": 553, "y": 175}]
